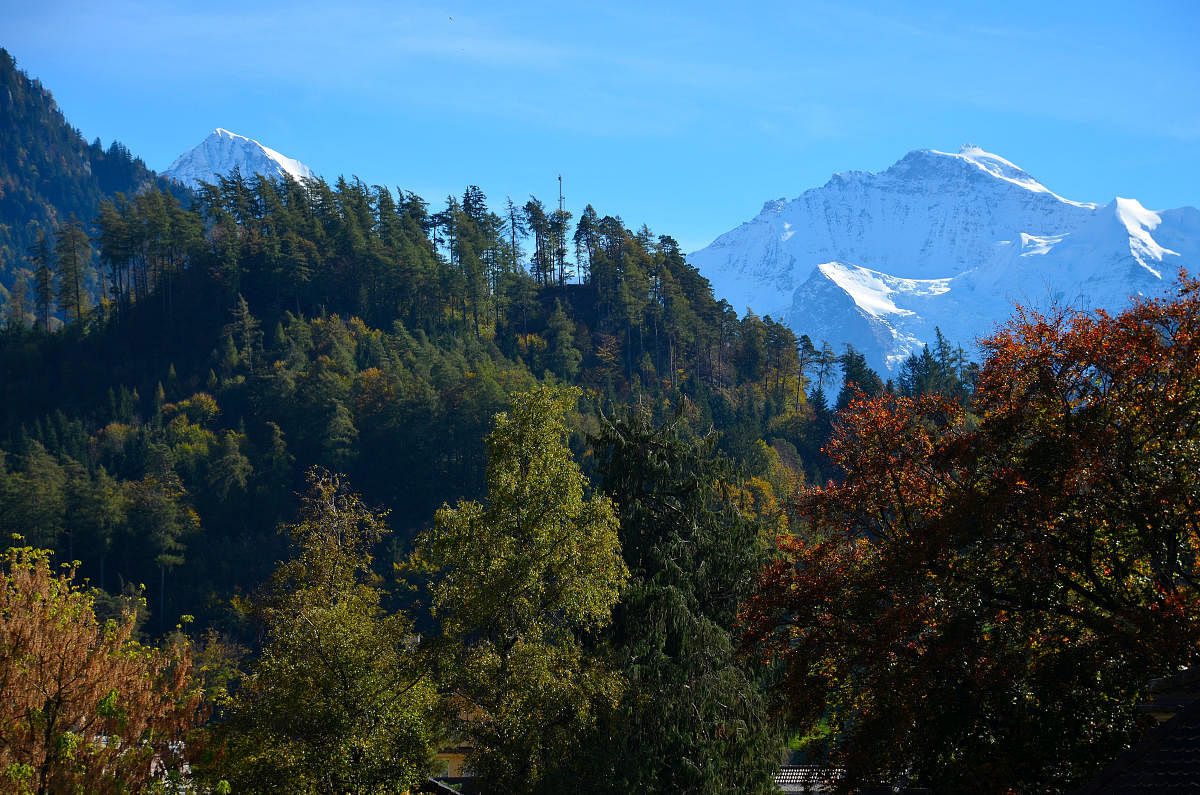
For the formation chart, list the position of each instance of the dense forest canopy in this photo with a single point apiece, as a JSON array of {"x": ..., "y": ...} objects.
[{"x": 277, "y": 325}]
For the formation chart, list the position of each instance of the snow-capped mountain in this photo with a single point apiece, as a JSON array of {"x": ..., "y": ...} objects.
[
  {"x": 941, "y": 240},
  {"x": 223, "y": 151}
]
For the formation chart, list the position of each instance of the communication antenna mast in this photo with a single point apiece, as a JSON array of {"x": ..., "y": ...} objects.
[{"x": 560, "y": 196}]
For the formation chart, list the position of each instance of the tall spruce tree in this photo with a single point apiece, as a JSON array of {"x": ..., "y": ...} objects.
[
  {"x": 693, "y": 718},
  {"x": 16, "y": 309},
  {"x": 562, "y": 356},
  {"x": 857, "y": 377}
]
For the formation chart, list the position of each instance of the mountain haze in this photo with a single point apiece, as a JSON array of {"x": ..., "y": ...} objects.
[
  {"x": 949, "y": 240},
  {"x": 223, "y": 151}
]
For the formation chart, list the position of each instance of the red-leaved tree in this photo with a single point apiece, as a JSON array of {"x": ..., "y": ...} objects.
[{"x": 980, "y": 602}]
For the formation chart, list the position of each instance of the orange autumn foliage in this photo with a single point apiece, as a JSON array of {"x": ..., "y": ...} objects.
[
  {"x": 981, "y": 601},
  {"x": 83, "y": 706}
]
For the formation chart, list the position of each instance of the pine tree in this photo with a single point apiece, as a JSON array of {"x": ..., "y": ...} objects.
[
  {"x": 72, "y": 251},
  {"x": 541, "y": 266},
  {"x": 586, "y": 240},
  {"x": 560, "y": 220},
  {"x": 116, "y": 248},
  {"x": 246, "y": 328},
  {"x": 825, "y": 363},
  {"x": 562, "y": 356},
  {"x": 514, "y": 226},
  {"x": 857, "y": 377}
]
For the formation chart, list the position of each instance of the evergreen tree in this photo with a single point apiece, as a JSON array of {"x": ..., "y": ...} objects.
[
  {"x": 693, "y": 717},
  {"x": 514, "y": 227},
  {"x": 72, "y": 251},
  {"x": 231, "y": 470},
  {"x": 562, "y": 355},
  {"x": 586, "y": 240},
  {"x": 42, "y": 260},
  {"x": 541, "y": 266},
  {"x": 857, "y": 377},
  {"x": 116, "y": 244},
  {"x": 17, "y": 309},
  {"x": 245, "y": 327},
  {"x": 560, "y": 220},
  {"x": 825, "y": 363}
]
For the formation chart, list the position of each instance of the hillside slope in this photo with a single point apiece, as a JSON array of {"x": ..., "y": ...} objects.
[{"x": 48, "y": 172}]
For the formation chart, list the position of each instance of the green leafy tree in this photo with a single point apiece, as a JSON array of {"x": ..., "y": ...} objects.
[
  {"x": 338, "y": 701},
  {"x": 520, "y": 582}
]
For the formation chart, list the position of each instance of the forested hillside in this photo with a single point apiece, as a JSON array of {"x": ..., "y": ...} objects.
[
  {"x": 48, "y": 173},
  {"x": 161, "y": 434},
  {"x": 315, "y": 486}
]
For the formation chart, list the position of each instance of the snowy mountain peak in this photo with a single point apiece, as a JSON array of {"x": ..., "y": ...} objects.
[
  {"x": 940, "y": 239},
  {"x": 223, "y": 151}
]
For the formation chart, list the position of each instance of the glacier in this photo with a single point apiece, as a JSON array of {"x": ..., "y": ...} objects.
[
  {"x": 223, "y": 151},
  {"x": 941, "y": 240}
]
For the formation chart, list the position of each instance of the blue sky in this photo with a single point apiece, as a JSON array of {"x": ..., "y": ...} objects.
[{"x": 686, "y": 117}]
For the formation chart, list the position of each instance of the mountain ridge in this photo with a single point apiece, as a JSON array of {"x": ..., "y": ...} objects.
[{"x": 940, "y": 240}]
